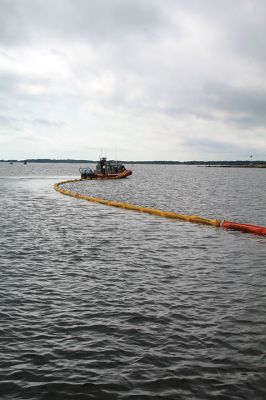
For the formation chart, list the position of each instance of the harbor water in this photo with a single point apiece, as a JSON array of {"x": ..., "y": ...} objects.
[{"x": 102, "y": 303}]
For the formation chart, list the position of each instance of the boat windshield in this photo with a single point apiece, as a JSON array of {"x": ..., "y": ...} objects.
[
  {"x": 87, "y": 170},
  {"x": 111, "y": 167}
]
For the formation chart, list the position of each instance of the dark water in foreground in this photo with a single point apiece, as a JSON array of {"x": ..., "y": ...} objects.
[{"x": 102, "y": 303}]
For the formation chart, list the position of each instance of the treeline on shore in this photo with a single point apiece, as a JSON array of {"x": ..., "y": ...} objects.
[{"x": 220, "y": 163}]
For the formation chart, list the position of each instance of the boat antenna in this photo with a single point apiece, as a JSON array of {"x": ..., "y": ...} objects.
[{"x": 251, "y": 156}]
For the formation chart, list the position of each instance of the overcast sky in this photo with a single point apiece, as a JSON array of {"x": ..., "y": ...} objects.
[{"x": 141, "y": 79}]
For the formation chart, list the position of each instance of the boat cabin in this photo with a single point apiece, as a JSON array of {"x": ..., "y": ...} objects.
[{"x": 109, "y": 167}]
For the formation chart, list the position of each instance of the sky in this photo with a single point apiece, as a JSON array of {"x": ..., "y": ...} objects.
[{"x": 133, "y": 79}]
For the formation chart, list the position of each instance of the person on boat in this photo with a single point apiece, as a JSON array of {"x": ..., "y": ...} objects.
[{"x": 102, "y": 165}]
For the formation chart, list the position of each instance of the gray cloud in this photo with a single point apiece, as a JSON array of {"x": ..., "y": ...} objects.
[
  {"x": 190, "y": 69},
  {"x": 243, "y": 106},
  {"x": 13, "y": 27},
  {"x": 102, "y": 20},
  {"x": 210, "y": 146},
  {"x": 212, "y": 149}
]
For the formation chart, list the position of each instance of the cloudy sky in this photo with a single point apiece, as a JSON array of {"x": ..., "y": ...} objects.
[{"x": 141, "y": 79}]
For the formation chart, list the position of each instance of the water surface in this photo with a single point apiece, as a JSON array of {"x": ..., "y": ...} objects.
[{"x": 102, "y": 303}]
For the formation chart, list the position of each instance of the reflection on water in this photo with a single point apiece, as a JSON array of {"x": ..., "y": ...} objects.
[{"x": 102, "y": 303}]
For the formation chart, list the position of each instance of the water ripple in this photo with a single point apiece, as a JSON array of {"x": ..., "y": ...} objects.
[{"x": 102, "y": 303}]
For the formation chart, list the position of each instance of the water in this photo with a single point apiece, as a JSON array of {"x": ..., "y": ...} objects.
[{"x": 102, "y": 303}]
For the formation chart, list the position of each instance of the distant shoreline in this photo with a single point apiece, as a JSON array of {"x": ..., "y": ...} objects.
[
  {"x": 253, "y": 165},
  {"x": 216, "y": 164}
]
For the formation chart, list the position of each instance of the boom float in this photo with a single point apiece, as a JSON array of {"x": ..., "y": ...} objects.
[{"x": 259, "y": 230}]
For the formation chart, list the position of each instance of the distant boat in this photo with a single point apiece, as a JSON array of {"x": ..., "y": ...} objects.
[
  {"x": 25, "y": 162},
  {"x": 106, "y": 170}
]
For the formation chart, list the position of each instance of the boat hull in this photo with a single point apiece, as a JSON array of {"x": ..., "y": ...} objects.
[{"x": 120, "y": 175}]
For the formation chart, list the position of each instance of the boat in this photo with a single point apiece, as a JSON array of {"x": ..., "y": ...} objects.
[{"x": 106, "y": 169}]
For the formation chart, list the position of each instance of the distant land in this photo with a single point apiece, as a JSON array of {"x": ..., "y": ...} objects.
[{"x": 237, "y": 163}]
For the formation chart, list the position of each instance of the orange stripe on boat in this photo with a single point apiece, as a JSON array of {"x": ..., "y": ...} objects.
[{"x": 259, "y": 230}]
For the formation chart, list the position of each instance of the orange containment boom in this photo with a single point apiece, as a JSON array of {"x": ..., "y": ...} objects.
[{"x": 259, "y": 230}]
